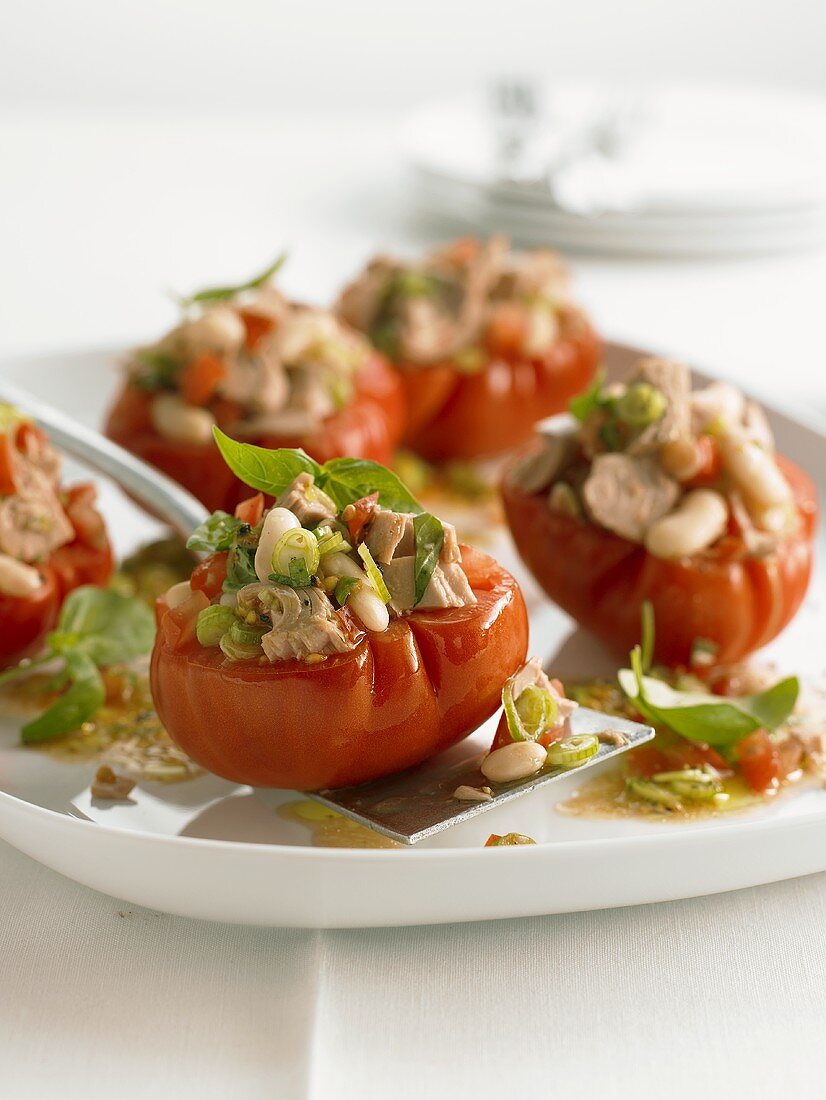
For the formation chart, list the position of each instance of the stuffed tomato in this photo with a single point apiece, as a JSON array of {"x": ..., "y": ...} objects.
[
  {"x": 652, "y": 492},
  {"x": 52, "y": 539},
  {"x": 486, "y": 341},
  {"x": 264, "y": 370},
  {"x": 338, "y": 636}
]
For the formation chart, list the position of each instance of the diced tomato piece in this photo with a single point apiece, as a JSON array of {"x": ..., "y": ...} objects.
[
  {"x": 29, "y": 437},
  {"x": 200, "y": 379},
  {"x": 647, "y": 760},
  {"x": 362, "y": 512},
  {"x": 693, "y": 754},
  {"x": 257, "y": 327},
  {"x": 209, "y": 575},
  {"x": 251, "y": 510},
  {"x": 7, "y": 483},
  {"x": 84, "y": 516},
  {"x": 227, "y": 412},
  {"x": 178, "y": 623},
  {"x": 759, "y": 761},
  {"x": 710, "y": 463},
  {"x": 507, "y": 329}
]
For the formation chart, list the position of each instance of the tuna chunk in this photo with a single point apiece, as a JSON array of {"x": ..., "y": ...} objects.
[
  {"x": 450, "y": 550},
  {"x": 303, "y": 622},
  {"x": 673, "y": 380},
  {"x": 448, "y": 587},
  {"x": 626, "y": 494},
  {"x": 306, "y": 501},
  {"x": 32, "y": 527},
  {"x": 389, "y": 533},
  {"x": 539, "y": 469}
]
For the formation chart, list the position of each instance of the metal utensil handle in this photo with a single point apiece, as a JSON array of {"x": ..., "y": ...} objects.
[{"x": 159, "y": 493}]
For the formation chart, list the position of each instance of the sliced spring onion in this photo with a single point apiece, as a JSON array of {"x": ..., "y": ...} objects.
[
  {"x": 571, "y": 752},
  {"x": 243, "y": 634},
  {"x": 641, "y": 404},
  {"x": 374, "y": 574},
  {"x": 331, "y": 542},
  {"x": 344, "y": 588},
  {"x": 692, "y": 784},
  {"x": 236, "y": 651},
  {"x": 533, "y": 713},
  {"x": 657, "y": 795},
  {"x": 296, "y": 557},
  {"x": 213, "y": 623}
]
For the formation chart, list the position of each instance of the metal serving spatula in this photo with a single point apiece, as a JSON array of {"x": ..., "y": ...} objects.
[{"x": 419, "y": 803}]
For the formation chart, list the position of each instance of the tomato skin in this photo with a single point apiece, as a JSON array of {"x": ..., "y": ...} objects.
[
  {"x": 394, "y": 700},
  {"x": 736, "y": 601},
  {"x": 87, "y": 559},
  {"x": 457, "y": 415},
  {"x": 759, "y": 761},
  {"x": 370, "y": 426}
]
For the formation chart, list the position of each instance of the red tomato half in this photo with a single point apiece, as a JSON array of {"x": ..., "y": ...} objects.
[
  {"x": 370, "y": 426},
  {"x": 87, "y": 559},
  {"x": 456, "y": 415},
  {"x": 394, "y": 700},
  {"x": 737, "y": 601}
]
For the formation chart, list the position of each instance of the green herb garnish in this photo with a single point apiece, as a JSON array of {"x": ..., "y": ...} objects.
[
  {"x": 215, "y": 533},
  {"x": 223, "y": 293},
  {"x": 96, "y": 628},
  {"x": 591, "y": 399},
  {"x": 240, "y": 568},
  {"x": 345, "y": 480},
  {"x": 345, "y": 588},
  {"x": 429, "y": 536},
  {"x": 699, "y": 715}
]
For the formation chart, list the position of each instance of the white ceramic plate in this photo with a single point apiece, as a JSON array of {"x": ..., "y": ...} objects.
[{"x": 209, "y": 849}]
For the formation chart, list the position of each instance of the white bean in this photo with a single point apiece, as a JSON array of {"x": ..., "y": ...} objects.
[
  {"x": 363, "y": 601},
  {"x": 516, "y": 761},
  {"x": 219, "y": 330},
  {"x": 174, "y": 419},
  {"x": 277, "y": 522},
  {"x": 177, "y": 594},
  {"x": 719, "y": 401},
  {"x": 753, "y": 470},
  {"x": 698, "y": 520},
  {"x": 17, "y": 578},
  {"x": 543, "y": 330}
]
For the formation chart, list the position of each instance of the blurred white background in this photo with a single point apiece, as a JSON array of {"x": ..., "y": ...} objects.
[
  {"x": 163, "y": 144},
  {"x": 260, "y": 56}
]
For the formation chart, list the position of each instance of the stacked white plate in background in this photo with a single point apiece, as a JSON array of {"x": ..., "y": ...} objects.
[{"x": 651, "y": 171}]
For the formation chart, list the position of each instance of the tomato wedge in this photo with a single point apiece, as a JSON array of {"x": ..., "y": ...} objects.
[
  {"x": 737, "y": 601},
  {"x": 392, "y": 701},
  {"x": 759, "y": 761},
  {"x": 369, "y": 426}
]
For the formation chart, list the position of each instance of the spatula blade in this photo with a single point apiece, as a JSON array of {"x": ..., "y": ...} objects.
[{"x": 419, "y": 803}]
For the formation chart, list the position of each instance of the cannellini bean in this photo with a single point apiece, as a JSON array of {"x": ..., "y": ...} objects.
[
  {"x": 219, "y": 330},
  {"x": 17, "y": 578},
  {"x": 516, "y": 761},
  {"x": 177, "y": 594},
  {"x": 363, "y": 601},
  {"x": 174, "y": 419},
  {"x": 753, "y": 470},
  {"x": 277, "y": 522},
  {"x": 719, "y": 401},
  {"x": 698, "y": 520},
  {"x": 681, "y": 458}
]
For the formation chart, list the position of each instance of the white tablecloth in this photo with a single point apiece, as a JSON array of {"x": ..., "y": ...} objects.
[{"x": 720, "y": 996}]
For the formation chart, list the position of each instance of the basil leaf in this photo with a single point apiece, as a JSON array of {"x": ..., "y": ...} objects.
[
  {"x": 700, "y": 716},
  {"x": 344, "y": 587},
  {"x": 585, "y": 403},
  {"x": 269, "y": 471},
  {"x": 215, "y": 533},
  {"x": 223, "y": 293},
  {"x": 240, "y": 568},
  {"x": 159, "y": 370},
  {"x": 76, "y": 706},
  {"x": 104, "y": 626},
  {"x": 347, "y": 480},
  {"x": 430, "y": 537}
]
